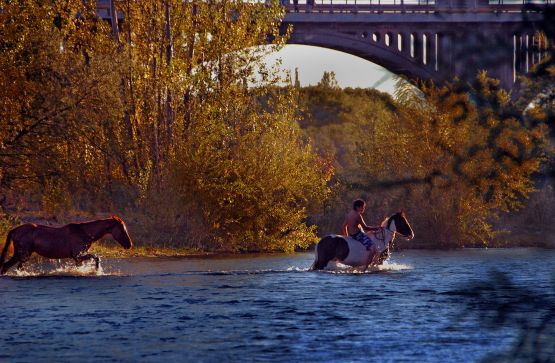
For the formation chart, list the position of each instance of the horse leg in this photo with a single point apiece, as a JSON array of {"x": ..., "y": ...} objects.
[
  {"x": 20, "y": 255},
  {"x": 23, "y": 256},
  {"x": 324, "y": 253},
  {"x": 9, "y": 264},
  {"x": 369, "y": 264},
  {"x": 328, "y": 249},
  {"x": 373, "y": 261},
  {"x": 321, "y": 262}
]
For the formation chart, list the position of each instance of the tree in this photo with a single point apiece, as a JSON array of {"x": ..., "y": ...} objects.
[
  {"x": 56, "y": 98},
  {"x": 297, "y": 83},
  {"x": 328, "y": 80},
  {"x": 217, "y": 135},
  {"x": 469, "y": 155}
]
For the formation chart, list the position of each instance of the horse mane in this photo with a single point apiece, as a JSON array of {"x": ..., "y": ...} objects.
[
  {"x": 117, "y": 218},
  {"x": 387, "y": 221}
]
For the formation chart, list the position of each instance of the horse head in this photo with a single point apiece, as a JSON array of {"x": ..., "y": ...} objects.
[
  {"x": 401, "y": 225},
  {"x": 120, "y": 234}
]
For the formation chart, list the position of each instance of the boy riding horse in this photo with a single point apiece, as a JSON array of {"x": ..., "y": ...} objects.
[{"x": 355, "y": 226}]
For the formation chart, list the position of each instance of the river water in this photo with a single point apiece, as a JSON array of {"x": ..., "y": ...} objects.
[{"x": 263, "y": 308}]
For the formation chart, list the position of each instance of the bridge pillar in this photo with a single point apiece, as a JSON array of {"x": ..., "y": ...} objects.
[
  {"x": 402, "y": 42},
  {"x": 427, "y": 55}
]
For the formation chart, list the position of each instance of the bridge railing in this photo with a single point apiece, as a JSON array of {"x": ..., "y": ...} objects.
[
  {"x": 410, "y": 6},
  {"x": 358, "y": 6}
]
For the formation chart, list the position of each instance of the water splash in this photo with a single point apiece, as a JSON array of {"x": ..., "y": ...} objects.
[
  {"x": 61, "y": 268},
  {"x": 297, "y": 269},
  {"x": 67, "y": 268},
  {"x": 339, "y": 268},
  {"x": 332, "y": 267},
  {"x": 393, "y": 266}
]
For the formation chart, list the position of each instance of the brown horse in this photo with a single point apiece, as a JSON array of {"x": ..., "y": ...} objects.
[{"x": 70, "y": 241}]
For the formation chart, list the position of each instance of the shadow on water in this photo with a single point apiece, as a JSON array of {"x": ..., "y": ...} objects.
[{"x": 499, "y": 303}]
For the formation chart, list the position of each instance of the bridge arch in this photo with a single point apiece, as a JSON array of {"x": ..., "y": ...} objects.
[{"x": 383, "y": 47}]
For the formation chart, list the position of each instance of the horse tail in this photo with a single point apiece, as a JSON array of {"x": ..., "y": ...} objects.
[
  {"x": 5, "y": 250},
  {"x": 315, "y": 258}
]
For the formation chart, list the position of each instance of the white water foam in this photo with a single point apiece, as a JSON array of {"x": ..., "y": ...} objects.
[
  {"x": 393, "y": 266},
  {"x": 339, "y": 268},
  {"x": 333, "y": 267},
  {"x": 297, "y": 269},
  {"x": 68, "y": 268},
  {"x": 62, "y": 269}
]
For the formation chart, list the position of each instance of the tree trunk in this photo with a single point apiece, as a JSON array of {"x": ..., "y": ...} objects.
[
  {"x": 156, "y": 128},
  {"x": 133, "y": 131},
  {"x": 114, "y": 16},
  {"x": 189, "y": 70},
  {"x": 169, "y": 111}
]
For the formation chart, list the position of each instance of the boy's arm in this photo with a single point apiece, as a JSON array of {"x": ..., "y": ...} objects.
[
  {"x": 344, "y": 228},
  {"x": 366, "y": 227}
]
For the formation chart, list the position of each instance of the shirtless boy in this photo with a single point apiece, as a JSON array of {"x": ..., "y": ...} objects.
[{"x": 355, "y": 226}]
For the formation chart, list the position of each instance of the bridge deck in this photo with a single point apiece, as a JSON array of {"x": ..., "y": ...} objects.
[{"x": 415, "y": 6}]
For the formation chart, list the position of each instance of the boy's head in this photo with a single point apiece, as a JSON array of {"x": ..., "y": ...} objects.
[{"x": 359, "y": 205}]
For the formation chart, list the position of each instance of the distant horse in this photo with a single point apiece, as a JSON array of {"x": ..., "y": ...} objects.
[
  {"x": 70, "y": 241},
  {"x": 351, "y": 252}
]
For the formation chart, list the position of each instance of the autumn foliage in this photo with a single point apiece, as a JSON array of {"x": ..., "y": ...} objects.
[{"x": 159, "y": 118}]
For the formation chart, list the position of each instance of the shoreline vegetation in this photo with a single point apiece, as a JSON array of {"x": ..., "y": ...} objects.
[
  {"x": 106, "y": 250},
  {"x": 201, "y": 147}
]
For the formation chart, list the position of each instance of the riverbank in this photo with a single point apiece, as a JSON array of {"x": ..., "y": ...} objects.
[
  {"x": 518, "y": 237},
  {"x": 115, "y": 251}
]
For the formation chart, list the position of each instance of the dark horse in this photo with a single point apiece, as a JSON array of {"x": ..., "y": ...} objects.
[
  {"x": 70, "y": 241},
  {"x": 351, "y": 252}
]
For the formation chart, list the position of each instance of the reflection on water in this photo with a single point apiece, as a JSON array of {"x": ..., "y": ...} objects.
[{"x": 262, "y": 308}]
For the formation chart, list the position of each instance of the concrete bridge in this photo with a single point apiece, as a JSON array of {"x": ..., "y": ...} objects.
[
  {"x": 427, "y": 39},
  {"x": 422, "y": 39}
]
